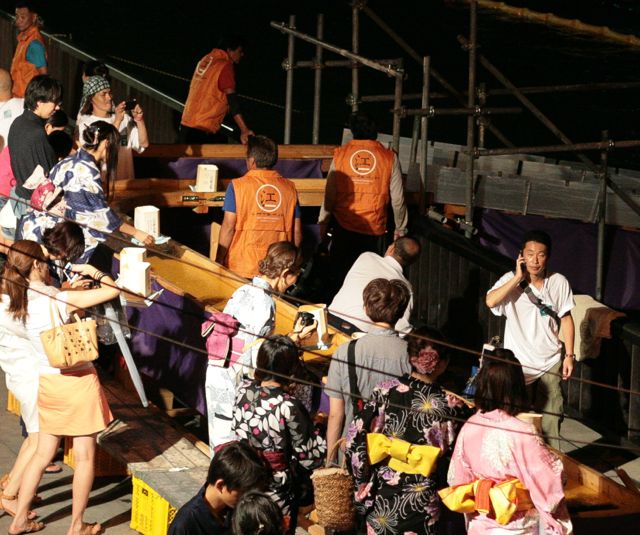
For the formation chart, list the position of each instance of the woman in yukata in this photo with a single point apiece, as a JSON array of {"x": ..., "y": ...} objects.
[
  {"x": 504, "y": 478},
  {"x": 254, "y": 307},
  {"x": 396, "y": 442},
  {"x": 83, "y": 198},
  {"x": 275, "y": 422}
]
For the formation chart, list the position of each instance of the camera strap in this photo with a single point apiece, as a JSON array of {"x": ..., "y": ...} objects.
[
  {"x": 544, "y": 309},
  {"x": 356, "y": 398}
]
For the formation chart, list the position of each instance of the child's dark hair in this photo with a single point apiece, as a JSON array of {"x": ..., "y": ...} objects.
[
  {"x": 61, "y": 143},
  {"x": 277, "y": 360},
  {"x": 58, "y": 119},
  {"x": 257, "y": 514},
  {"x": 64, "y": 241},
  {"x": 500, "y": 384},
  {"x": 239, "y": 466},
  {"x": 96, "y": 67}
]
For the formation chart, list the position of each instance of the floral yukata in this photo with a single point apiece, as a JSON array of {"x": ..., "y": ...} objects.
[
  {"x": 500, "y": 447},
  {"x": 273, "y": 421},
  {"x": 417, "y": 412},
  {"x": 79, "y": 177}
]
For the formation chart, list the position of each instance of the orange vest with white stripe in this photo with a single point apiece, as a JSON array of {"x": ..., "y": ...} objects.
[
  {"x": 21, "y": 70},
  {"x": 362, "y": 174},
  {"x": 265, "y": 213},
  {"x": 206, "y": 105}
]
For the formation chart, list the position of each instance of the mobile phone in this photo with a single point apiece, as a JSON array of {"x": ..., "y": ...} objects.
[
  {"x": 306, "y": 318},
  {"x": 130, "y": 104},
  {"x": 523, "y": 265}
]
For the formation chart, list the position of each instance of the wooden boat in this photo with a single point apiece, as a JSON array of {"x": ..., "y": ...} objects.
[{"x": 592, "y": 497}]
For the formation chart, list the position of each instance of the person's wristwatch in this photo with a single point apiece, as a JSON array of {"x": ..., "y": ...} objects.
[{"x": 570, "y": 355}]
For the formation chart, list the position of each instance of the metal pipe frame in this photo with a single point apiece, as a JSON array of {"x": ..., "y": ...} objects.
[
  {"x": 355, "y": 48},
  {"x": 390, "y": 70},
  {"x": 471, "y": 121},
  {"x": 436, "y": 75},
  {"x": 424, "y": 129},
  {"x": 289, "y": 91},
  {"x": 397, "y": 115},
  {"x": 604, "y": 156},
  {"x": 317, "y": 83},
  {"x": 476, "y": 111},
  {"x": 312, "y": 64},
  {"x": 575, "y": 147}
]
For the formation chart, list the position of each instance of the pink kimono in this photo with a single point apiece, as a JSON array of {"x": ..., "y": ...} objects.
[{"x": 497, "y": 446}]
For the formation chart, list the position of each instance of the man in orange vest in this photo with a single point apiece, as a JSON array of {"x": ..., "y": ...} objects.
[
  {"x": 30, "y": 57},
  {"x": 364, "y": 178},
  {"x": 260, "y": 208},
  {"x": 212, "y": 95}
]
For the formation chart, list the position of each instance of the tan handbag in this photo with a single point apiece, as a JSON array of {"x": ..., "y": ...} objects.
[
  {"x": 333, "y": 495},
  {"x": 71, "y": 343}
]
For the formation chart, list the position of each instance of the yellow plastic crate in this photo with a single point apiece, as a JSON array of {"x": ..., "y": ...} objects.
[
  {"x": 13, "y": 405},
  {"x": 151, "y": 514},
  {"x": 105, "y": 465}
]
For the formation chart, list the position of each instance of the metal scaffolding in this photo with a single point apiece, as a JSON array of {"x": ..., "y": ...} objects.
[{"x": 472, "y": 103}]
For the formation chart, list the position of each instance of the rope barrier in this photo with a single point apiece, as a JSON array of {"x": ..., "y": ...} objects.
[
  {"x": 183, "y": 79},
  {"x": 236, "y": 278},
  {"x": 341, "y": 392}
]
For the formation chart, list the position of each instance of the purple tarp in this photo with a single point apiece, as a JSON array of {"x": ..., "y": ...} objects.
[
  {"x": 235, "y": 167},
  {"x": 574, "y": 253}
]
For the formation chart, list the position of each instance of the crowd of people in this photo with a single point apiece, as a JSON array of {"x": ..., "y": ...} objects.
[{"x": 412, "y": 447}]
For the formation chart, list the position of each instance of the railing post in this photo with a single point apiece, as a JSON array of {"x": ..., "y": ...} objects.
[
  {"x": 317, "y": 88},
  {"x": 602, "y": 214},
  {"x": 355, "y": 48},
  {"x": 471, "y": 120},
  {"x": 424, "y": 127},
  {"x": 397, "y": 107},
  {"x": 288, "y": 105}
]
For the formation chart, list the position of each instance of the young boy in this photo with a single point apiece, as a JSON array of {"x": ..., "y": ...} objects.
[{"x": 235, "y": 469}]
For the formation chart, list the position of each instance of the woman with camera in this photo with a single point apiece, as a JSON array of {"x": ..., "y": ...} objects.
[
  {"x": 127, "y": 116},
  {"x": 70, "y": 400},
  {"x": 255, "y": 309}
]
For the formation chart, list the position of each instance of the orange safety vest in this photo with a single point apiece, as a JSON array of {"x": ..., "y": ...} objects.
[
  {"x": 362, "y": 173},
  {"x": 206, "y": 105},
  {"x": 265, "y": 212},
  {"x": 21, "y": 70}
]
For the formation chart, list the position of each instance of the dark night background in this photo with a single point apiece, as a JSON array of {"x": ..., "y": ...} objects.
[{"x": 171, "y": 37}]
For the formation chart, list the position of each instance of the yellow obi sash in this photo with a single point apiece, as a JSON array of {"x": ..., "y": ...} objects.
[
  {"x": 484, "y": 496},
  {"x": 403, "y": 456}
]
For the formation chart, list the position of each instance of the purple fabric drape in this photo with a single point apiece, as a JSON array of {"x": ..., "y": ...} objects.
[
  {"x": 574, "y": 253},
  {"x": 235, "y": 167}
]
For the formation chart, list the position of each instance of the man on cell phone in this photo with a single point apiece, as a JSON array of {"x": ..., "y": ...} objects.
[{"x": 537, "y": 305}]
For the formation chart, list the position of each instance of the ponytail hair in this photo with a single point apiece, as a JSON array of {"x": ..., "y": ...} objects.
[
  {"x": 96, "y": 133},
  {"x": 15, "y": 277}
]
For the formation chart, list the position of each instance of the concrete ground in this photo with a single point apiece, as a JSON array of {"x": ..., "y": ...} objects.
[{"x": 109, "y": 503}]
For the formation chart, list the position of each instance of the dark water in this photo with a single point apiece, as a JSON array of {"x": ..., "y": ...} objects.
[{"x": 171, "y": 37}]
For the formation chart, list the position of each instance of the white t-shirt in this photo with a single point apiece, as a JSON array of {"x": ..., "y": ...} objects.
[
  {"x": 532, "y": 337},
  {"x": 348, "y": 303},
  {"x": 9, "y": 110}
]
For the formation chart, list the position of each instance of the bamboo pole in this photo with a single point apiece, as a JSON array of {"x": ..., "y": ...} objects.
[
  {"x": 317, "y": 87},
  {"x": 473, "y": 31},
  {"x": 289, "y": 90}
]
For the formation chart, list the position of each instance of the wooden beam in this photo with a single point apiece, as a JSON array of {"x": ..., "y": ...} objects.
[
  {"x": 285, "y": 152},
  {"x": 176, "y": 192}
]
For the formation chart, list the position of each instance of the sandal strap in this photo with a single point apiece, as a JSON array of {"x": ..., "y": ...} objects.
[{"x": 8, "y": 497}]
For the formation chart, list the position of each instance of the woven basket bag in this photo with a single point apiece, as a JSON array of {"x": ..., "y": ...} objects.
[{"x": 333, "y": 491}]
